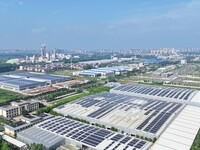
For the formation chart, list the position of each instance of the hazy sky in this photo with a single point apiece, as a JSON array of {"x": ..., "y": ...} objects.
[{"x": 99, "y": 24}]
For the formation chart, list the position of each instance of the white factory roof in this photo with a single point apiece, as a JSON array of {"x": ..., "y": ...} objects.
[
  {"x": 181, "y": 132},
  {"x": 196, "y": 98},
  {"x": 13, "y": 141}
]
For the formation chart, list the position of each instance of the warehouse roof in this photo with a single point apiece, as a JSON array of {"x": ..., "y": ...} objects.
[
  {"x": 39, "y": 76},
  {"x": 181, "y": 132},
  {"x": 52, "y": 130},
  {"x": 13, "y": 141},
  {"x": 4, "y": 78},
  {"x": 90, "y": 73},
  {"x": 156, "y": 92},
  {"x": 40, "y": 136},
  {"x": 21, "y": 83},
  {"x": 131, "y": 114}
]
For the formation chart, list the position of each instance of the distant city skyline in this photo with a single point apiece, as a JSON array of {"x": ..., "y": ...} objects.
[{"x": 99, "y": 24}]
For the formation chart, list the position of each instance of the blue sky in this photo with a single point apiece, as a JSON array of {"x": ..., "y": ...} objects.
[{"x": 99, "y": 24}]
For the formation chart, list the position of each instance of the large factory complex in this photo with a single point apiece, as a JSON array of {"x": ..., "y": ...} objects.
[
  {"x": 107, "y": 71},
  {"x": 145, "y": 117},
  {"x": 19, "y": 81},
  {"x": 165, "y": 113}
]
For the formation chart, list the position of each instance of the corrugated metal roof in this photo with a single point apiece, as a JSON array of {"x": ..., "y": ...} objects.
[{"x": 181, "y": 132}]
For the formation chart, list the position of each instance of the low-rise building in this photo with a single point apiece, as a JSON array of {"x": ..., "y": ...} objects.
[
  {"x": 12, "y": 129},
  {"x": 16, "y": 108},
  {"x": 25, "y": 122},
  {"x": 31, "y": 119}
]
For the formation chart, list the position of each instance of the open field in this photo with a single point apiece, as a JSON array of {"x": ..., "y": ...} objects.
[
  {"x": 6, "y": 95},
  {"x": 63, "y": 72},
  {"x": 66, "y": 73}
]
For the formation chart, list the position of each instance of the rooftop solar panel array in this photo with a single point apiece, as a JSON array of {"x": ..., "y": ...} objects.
[
  {"x": 87, "y": 134},
  {"x": 165, "y": 92},
  {"x": 156, "y": 112}
]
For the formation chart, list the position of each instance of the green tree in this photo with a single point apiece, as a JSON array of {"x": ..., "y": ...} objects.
[
  {"x": 24, "y": 112},
  {"x": 35, "y": 146},
  {"x": 5, "y": 146},
  {"x": 87, "y": 67},
  {"x": 111, "y": 79}
]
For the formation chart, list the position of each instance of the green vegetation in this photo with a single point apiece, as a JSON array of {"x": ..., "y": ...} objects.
[
  {"x": 7, "y": 67},
  {"x": 114, "y": 129},
  {"x": 24, "y": 112},
  {"x": 88, "y": 57},
  {"x": 196, "y": 143},
  {"x": 152, "y": 83},
  {"x": 35, "y": 146},
  {"x": 90, "y": 91},
  {"x": 77, "y": 119},
  {"x": 4, "y": 145},
  {"x": 3, "y": 121},
  {"x": 52, "y": 95},
  {"x": 63, "y": 72},
  {"x": 6, "y": 95}
]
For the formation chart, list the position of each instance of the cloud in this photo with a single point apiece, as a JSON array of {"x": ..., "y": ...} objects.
[
  {"x": 39, "y": 30},
  {"x": 182, "y": 17}
]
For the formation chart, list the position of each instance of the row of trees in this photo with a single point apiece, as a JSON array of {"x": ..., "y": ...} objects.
[
  {"x": 7, "y": 67},
  {"x": 51, "y": 96}
]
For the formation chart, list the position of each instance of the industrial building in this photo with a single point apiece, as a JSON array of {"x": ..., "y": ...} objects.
[
  {"x": 179, "y": 95},
  {"x": 41, "y": 77},
  {"x": 58, "y": 131},
  {"x": 106, "y": 72},
  {"x": 21, "y": 84},
  {"x": 129, "y": 114},
  {"x": 20, "y": 145},
  {"x": 25, "y": 123},
  {"x": 171, "y": 115},
  {"x": 15, "y": 108},
  {"x": 18, "y": 81},
  {"x": 181, "y": 133}
]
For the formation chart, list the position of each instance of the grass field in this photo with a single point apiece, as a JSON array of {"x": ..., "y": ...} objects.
[
  {"x": 63, "y": 72},
  {"x": 6, "y": 95},
  {"x": 67, "y": 73}
]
